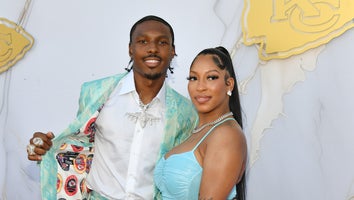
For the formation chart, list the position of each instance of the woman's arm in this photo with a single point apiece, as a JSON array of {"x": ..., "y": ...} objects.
[{"x": 224, "y": 162}]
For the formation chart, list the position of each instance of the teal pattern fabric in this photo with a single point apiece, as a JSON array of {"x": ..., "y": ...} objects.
[{"x": 65, "y": 166}]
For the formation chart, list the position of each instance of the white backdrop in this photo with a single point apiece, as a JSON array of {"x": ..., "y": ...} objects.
[{"x": 306, "y": 152}]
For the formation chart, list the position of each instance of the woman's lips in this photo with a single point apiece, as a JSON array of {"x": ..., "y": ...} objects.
[{"x": 202, "y": 99}]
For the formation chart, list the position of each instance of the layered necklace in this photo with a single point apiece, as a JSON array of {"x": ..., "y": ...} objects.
[{"x": 196, "y": 130}]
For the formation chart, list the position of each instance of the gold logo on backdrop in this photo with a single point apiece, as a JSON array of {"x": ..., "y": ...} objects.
[
  {"x": 14, "y": 43},
  {"x": 282, "y": 28}
]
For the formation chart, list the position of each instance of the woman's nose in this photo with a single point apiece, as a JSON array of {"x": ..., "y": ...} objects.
[{"x": 200, "y": 85}]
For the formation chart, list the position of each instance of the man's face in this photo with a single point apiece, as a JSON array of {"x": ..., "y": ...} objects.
[{"x": 151, "y": 49}]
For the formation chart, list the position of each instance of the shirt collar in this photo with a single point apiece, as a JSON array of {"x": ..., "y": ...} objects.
[{"x": 128, "y": 85}]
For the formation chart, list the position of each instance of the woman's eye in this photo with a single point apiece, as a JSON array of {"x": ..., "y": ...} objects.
[
  {"x": 191, "y": 78},
  {"x": 212, "y": 77}
]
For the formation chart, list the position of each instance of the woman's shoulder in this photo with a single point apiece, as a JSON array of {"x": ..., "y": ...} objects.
[{"x": 228, "y": 134}]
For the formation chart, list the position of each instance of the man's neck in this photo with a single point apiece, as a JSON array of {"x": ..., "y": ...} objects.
[{"x": 147, "y": 88}]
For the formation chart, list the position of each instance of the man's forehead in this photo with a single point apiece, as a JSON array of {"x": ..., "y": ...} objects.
[
  {"x": 152, "y": 26},
  {"x": 160, "y": 31}
]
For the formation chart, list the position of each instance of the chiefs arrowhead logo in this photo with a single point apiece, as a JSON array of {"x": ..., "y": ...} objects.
[
  {"x": 14, "y": 43},
  {"x": 282, "y": 28}
]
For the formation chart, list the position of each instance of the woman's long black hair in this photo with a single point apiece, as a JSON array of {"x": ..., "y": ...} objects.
[{"x": 222, "y": 59}]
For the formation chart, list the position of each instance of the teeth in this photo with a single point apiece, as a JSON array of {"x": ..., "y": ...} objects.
[{"x": 152, "y": 61}]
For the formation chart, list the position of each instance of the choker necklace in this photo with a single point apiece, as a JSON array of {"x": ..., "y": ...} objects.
[{"x": 196, "y": 130}]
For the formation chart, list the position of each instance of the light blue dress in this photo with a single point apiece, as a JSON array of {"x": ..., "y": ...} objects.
[{"x": 178, "y": 177}]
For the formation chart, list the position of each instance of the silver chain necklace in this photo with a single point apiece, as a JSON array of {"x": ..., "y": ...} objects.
[{"x": 196, "y": 130}]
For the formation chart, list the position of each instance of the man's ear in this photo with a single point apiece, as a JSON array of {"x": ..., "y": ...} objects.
[
  {"x": 173, "y": 52},
  {"x": 130, "y": 51}
]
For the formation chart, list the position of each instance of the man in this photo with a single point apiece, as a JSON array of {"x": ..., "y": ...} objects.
[{"x": 127, "y": 121}]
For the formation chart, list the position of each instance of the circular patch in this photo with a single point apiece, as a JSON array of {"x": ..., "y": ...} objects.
[
  {"x": 71, "y": 185},
  {"x": 59, "y": 182},
  {"x": 80, "y": 163},
  {"x": 89, "y": 162},
  {"x": 83, "y": 187},
  {"x": 90, "y": 126},
  {"x": 77, "y": 148},
  {"x": 63, "y": 146}
]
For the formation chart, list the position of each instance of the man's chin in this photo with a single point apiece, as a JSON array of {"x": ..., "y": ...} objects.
[{"x": 154, "y": 76}]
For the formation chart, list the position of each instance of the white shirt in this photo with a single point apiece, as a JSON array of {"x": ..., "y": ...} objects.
[{"x": 125, "y": 151}]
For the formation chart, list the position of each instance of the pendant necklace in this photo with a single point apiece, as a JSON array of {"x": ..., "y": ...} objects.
[
  {"x": 196, "y": 130},
  {"x": 143, "y": 117}
]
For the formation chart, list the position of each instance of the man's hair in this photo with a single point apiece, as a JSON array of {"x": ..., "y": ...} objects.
[{"x": 152, "y": 18}]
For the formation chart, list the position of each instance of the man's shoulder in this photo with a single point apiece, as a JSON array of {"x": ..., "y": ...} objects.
[
  {"x": 177, "y": 99},
  {"x": 104, "y": 80},
  {"x": 174, "y": 94}
]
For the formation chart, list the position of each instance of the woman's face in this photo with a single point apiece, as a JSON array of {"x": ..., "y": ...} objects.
[{"x": 207, "y": 86}]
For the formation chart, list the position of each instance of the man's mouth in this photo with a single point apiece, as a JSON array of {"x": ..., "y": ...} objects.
[{"x": 152, "y": 61}]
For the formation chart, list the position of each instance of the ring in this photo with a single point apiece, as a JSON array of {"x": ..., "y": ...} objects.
[
  {"x": 37, "y": 141},
  {"x": 30, "y": 149}
]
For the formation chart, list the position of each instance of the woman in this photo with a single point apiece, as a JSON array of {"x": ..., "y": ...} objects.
[{"x": 212, "y": 160}]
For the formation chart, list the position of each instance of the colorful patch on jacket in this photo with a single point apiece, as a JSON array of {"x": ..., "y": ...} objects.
[
  {"x": 66, "y": 159},
  {"x": 80, "y": 163},
  {"x": 63, "y": 146},
  {"x": 90, "y": 129},
  {"x": 77, "y": 148},
  {"x": 89, "y": 163},
  {"x": 83, "y": 188},
  {"x": 59, "y": 182},
  {"x": 71, "y": 185}
]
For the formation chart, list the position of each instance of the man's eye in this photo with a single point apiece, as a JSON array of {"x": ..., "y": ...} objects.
[
  {"x": 163, "y": 42},
  {"x": 142, "y": 41}
]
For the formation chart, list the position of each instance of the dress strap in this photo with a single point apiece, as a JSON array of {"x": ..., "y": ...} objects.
[{"x": 210, "y": 130}]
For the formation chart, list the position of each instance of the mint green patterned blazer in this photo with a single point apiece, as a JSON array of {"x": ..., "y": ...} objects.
[{"x": 65, "y": 166}]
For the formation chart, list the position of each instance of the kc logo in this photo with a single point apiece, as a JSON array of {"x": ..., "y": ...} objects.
[
  {"x": 14, "y": 43},
  {"x": 283, "y": 28},
  {"x": 5, "y": 47},
  {"x": 307, "y": 17}
]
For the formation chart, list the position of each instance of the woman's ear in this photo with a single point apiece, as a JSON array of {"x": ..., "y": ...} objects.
[{"x": 230, "y": 82}]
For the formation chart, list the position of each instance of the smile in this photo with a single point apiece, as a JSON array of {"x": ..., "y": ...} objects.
[
  {"x": 202, "y": 99},
  {"x": 152, "y": 62}
]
